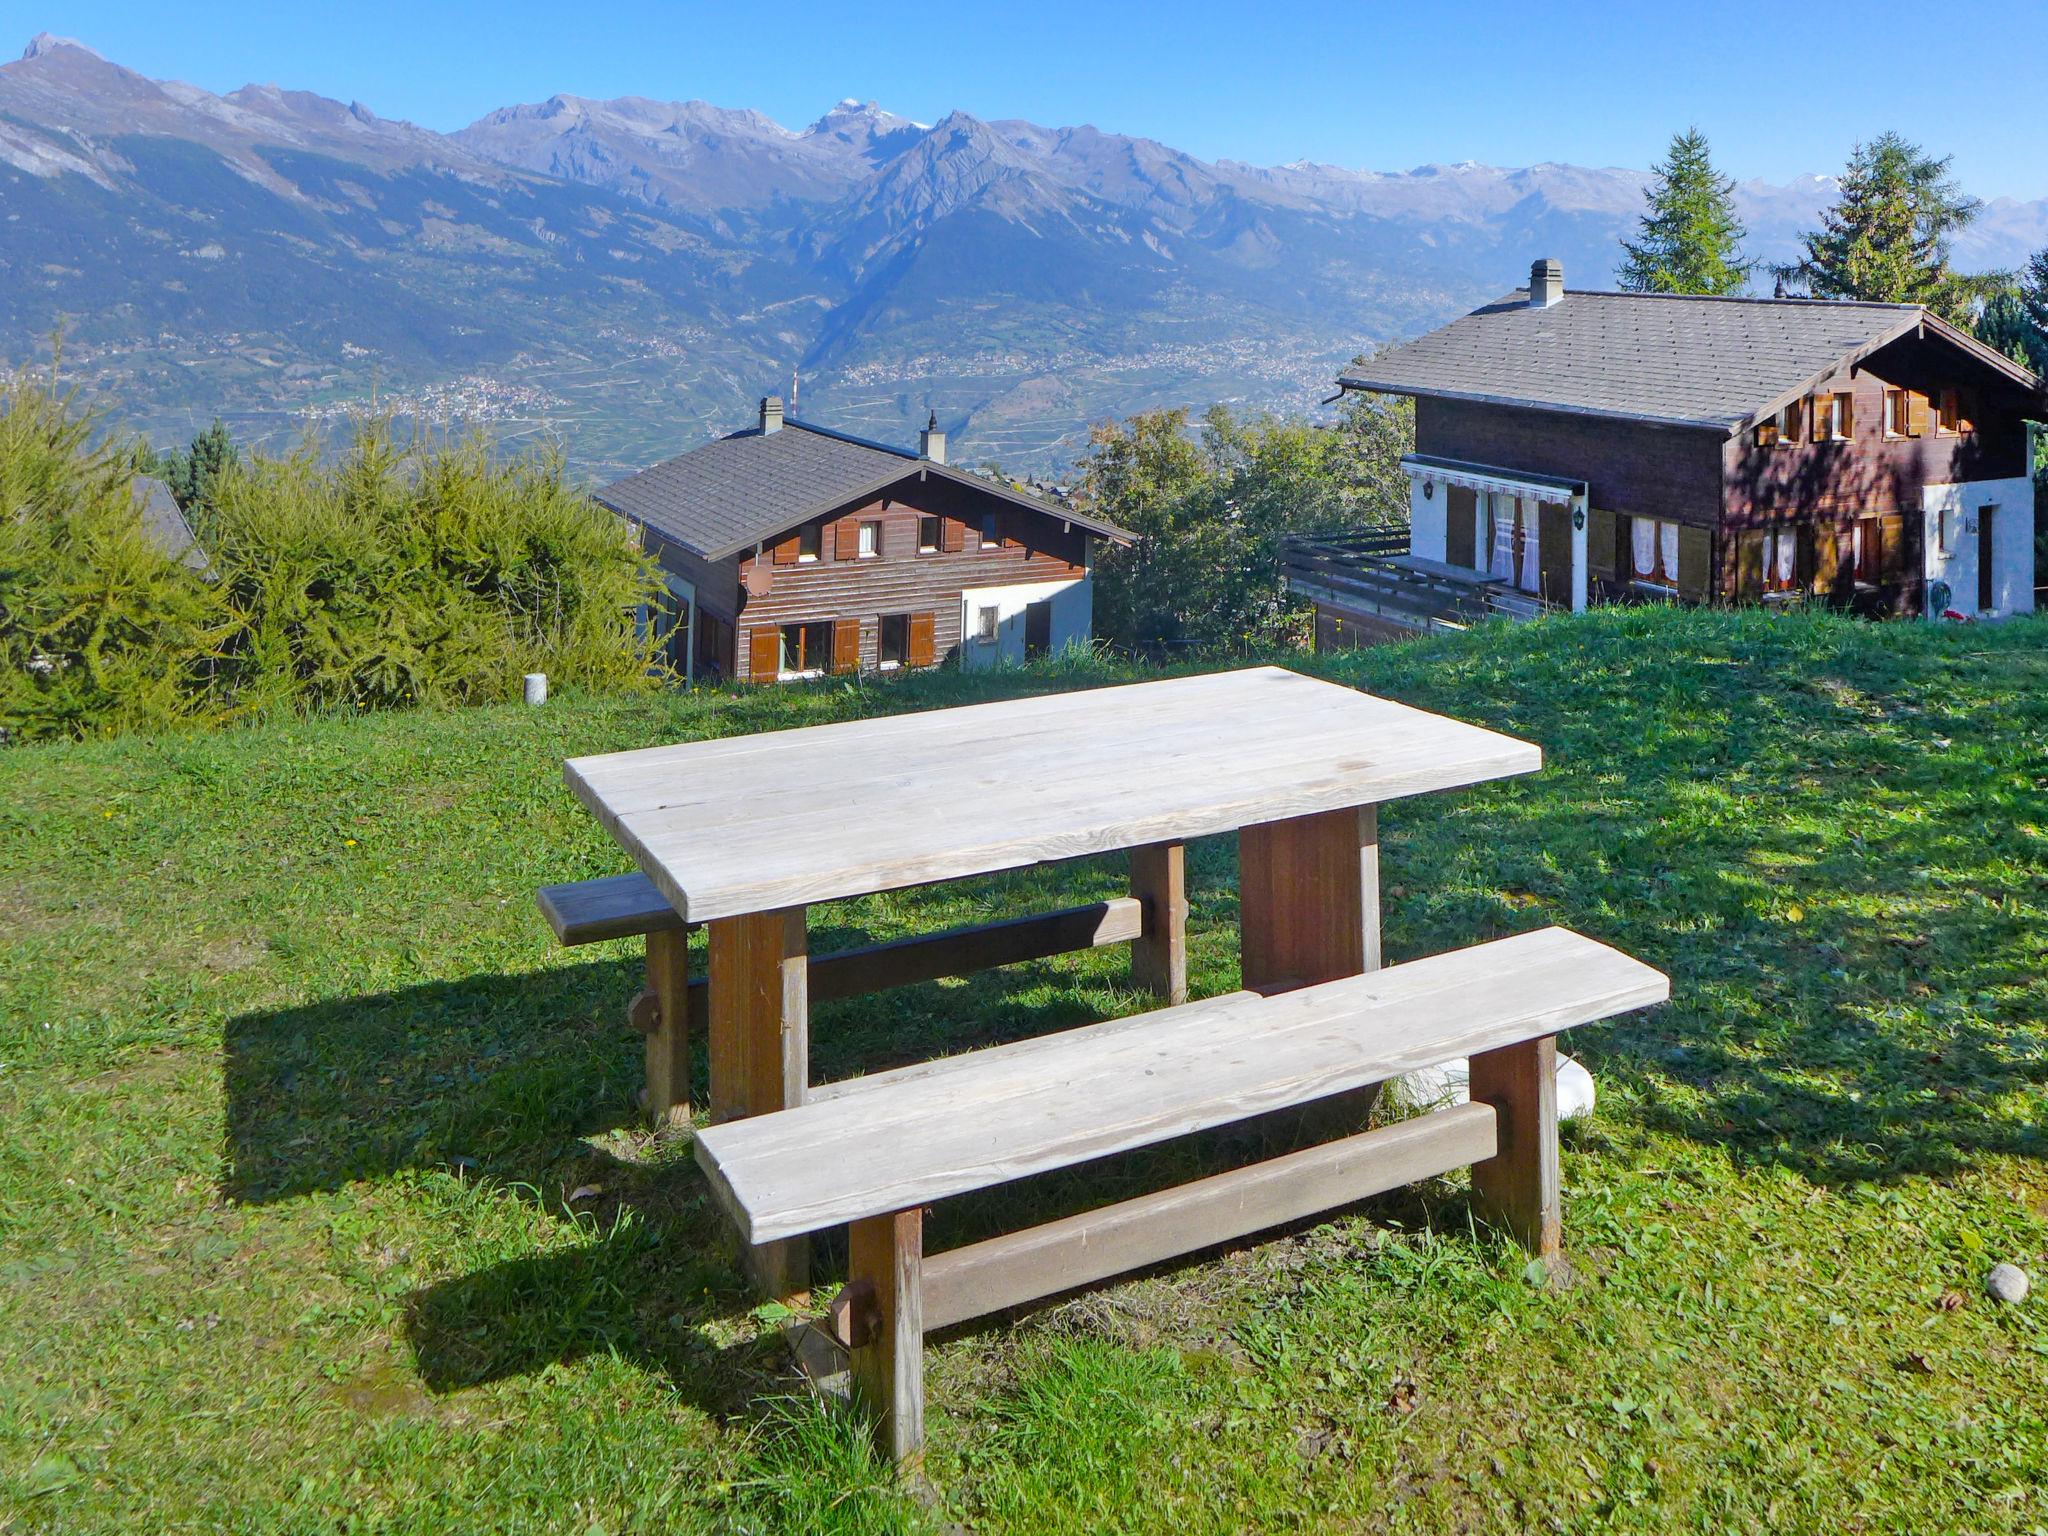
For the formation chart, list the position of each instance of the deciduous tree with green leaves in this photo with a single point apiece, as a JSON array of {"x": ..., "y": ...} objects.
[
  {"x": 1690, "y": 240},
  {"x": 1886, "y": 238}
]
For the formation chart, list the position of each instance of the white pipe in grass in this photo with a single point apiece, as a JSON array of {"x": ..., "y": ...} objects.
[{"x": 536, "y": 688}]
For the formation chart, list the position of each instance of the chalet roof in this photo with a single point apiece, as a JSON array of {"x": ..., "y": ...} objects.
[
  {"x": 1673, "y": 358},
  {"x": 722, "y": 498}
]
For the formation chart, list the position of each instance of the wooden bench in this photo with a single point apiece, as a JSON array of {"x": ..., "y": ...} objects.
[{"x": 873, "y": 1152}]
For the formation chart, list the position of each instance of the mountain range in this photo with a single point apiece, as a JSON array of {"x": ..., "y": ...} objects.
[{"x": 628, "y": 276}]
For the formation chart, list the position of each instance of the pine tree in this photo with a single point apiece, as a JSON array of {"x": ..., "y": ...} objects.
[
  {"x": 194, "y": 473},
  {"x": 1690, "y": 238},
  {"x": 2034, "y": 295},
  {"x": 2004, "y": 324},
  {"x": 1887, "y": 236}
]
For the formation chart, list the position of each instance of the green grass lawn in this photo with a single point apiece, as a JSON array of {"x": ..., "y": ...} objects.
[{"x": 322, "y": 1206}]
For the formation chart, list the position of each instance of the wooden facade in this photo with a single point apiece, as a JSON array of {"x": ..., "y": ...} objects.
[
  {"x": 933, "y": 540},
  {"x": 1849, "y": 507}
]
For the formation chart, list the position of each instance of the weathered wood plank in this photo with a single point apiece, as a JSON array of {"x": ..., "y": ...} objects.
[
  {"x": 614, "y": 907},
  {"x": 907, "y": 1138},
  {"x": 667, "y": 1045},
  {"x": 1159, "y": 955},
  {"x": 1521, "y": 1188},
  {"x": 760, "y": 1042},
  {"x": 1078, "y": 1251},
  {"x": 884, "y": 1257},
  {"x": 1027, "y": 781}
]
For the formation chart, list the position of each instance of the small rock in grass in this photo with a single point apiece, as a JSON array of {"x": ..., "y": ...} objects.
[{"x": 2006, "y": 1282}]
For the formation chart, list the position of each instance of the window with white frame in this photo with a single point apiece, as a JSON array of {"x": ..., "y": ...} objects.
[
  {"x": 1653, "y": 551},
  {"x": 986, "y": 616}
]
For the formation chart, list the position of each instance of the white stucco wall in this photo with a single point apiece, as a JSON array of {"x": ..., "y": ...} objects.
[
  {"x": 1426, "y": 520},
  {"x": 1073, "y": 618},
  {"x": 2012, "y": 533}
]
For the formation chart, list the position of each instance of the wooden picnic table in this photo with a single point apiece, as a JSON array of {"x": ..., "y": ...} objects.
[{"x": 742, "y": 834}]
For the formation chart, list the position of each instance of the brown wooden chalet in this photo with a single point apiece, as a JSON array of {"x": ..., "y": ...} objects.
[
  {"x": 794, "y": 551},
  {"x": 1575, "y": 447}
]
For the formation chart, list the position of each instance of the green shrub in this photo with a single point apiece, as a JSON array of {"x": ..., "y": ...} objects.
[
  {"x": 427, "y": 571},
  {"x": 99, "y": 630},
  {"x": 392, "y": 573}
]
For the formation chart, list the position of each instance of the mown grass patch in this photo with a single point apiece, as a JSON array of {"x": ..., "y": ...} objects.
[{"x": 322, "y": 1205}]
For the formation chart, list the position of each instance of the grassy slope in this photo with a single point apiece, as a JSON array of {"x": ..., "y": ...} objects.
[{"x": 296, "y": 1088}]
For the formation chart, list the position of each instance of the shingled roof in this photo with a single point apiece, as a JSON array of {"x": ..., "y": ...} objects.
[
  {"x": 721, "y": 499},
  {"x": 1673, "y": 358}
]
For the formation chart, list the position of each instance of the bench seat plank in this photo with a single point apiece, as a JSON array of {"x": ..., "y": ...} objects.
[
  {"x": 968, "y": 1122},
  {"x": 614, "y": 907}
]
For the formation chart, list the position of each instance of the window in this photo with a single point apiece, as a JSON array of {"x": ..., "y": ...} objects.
[
  {"x": 985, "y": 618},
  {"x": 1781, "y": 560},
  {"x": 1951, "y": 419},
  {"x": 1832, "y": 419},
  {"x": 1768, "y": 434},
  {"x": 810, "y": 539},
  {"x": 1941, "y": 531},
  {"x": 895, "y": 640},
  {"x": 927, "y": 535},
  {"x": 1653, "y": 551},
  {"x": 1895, "y": 413},
  {"x": 1792, "y": 423},
  {"x": 991, "y": 529},
  {"x": 870, "y": 540},
  {"x": 1866, "y": 551},
  {"x": 806, "y": 649}
]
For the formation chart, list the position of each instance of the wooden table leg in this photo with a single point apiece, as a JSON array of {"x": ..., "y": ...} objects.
[
  {"x": 1159, "y": 955},
  {"x": 1520, "y": 1187},
  {"x": 1309, "y": 911},
  {"x": 668, "y": 1038},
  {"x": 885, "y": 1263},
  {"x": 759, "y": 969},
  {"x": 1309, "y": 898}
]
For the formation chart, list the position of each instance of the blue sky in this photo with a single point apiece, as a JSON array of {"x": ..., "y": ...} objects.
[{"x": 1780, "y": 89}]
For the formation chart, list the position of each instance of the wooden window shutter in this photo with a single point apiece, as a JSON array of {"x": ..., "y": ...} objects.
[
  {"x": 1848, "y": 413},
  {"x": 1795, "y": 422},
  {"x": 1695, "y": 562},
  {"x": 846, "y": 632},
  {"x": 1916, "y": 413},
  {"x": 952, "y": 535},
  {"x": 1826, "y": 559},
  {"x": 786, "y": 551},
  {"x": 1966, "y": 410},
  {"x": 1817, "y": 413},
  {"x": 846, "y": 540},
  {"x": 924, "y": 631},
  {"x": 764, "y": 654}
]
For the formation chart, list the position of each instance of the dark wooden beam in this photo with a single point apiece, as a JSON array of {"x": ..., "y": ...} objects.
[{"x": 1081, "y": 1250}]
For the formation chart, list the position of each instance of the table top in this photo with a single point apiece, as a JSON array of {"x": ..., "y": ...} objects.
[{"x": 782, "y": 818}]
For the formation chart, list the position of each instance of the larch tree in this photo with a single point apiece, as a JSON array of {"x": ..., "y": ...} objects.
[
  {"x": 1886, "y": 239},
  {"x": 1690, "y": 239}
]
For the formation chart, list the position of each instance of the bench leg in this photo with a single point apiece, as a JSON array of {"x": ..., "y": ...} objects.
[
  {"x": 885, "y": 1263},
  {"x": 760, "y": 1048},
  {"x": 668, "y": 1040},
  {"x": 1519, "y": 1187},
  {"x": 1159, "y": 955}
]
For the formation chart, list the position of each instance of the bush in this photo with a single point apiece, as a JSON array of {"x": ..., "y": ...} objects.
[
  {"x": 417, "y": 572},
  {"x": 99, "y": 630},
  {"x": 395, "y": 573}
]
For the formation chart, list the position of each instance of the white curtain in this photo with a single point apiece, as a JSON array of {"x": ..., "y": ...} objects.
[
  {"x": 1503, "y": 565},
  {"x": 1788, "y": 561},
  {"x": 1532, "y": 561},
  {"x": 1670, "y": 532},
  {"x": 1642, "y": 533}
]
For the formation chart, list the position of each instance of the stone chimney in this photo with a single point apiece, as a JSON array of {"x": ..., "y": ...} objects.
[
  {"x": 931, "y": 442},
  {"x": 1546, "y": 282},
  {"x": 771, "y": 414}
]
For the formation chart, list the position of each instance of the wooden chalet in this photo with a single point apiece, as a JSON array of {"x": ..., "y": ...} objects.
[
  {"x": 1575, "y": 447},
  {"x": 795, "y": 551}
]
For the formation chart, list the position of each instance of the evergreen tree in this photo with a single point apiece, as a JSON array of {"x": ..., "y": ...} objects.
[
  {"x": 1887, "y": 236},
  {"x": 194, "y": 473},
  {"x": 2034, "y": 296},
  {"x": 2005, "y": 324},
  {"x": 1690, "y": 238}
]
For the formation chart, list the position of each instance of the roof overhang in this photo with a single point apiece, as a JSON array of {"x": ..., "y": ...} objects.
[
  {"x": 912, "y": 469},
  {"x": 1488, "y": 477},
  {"x": 1360, "y": 381}
]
